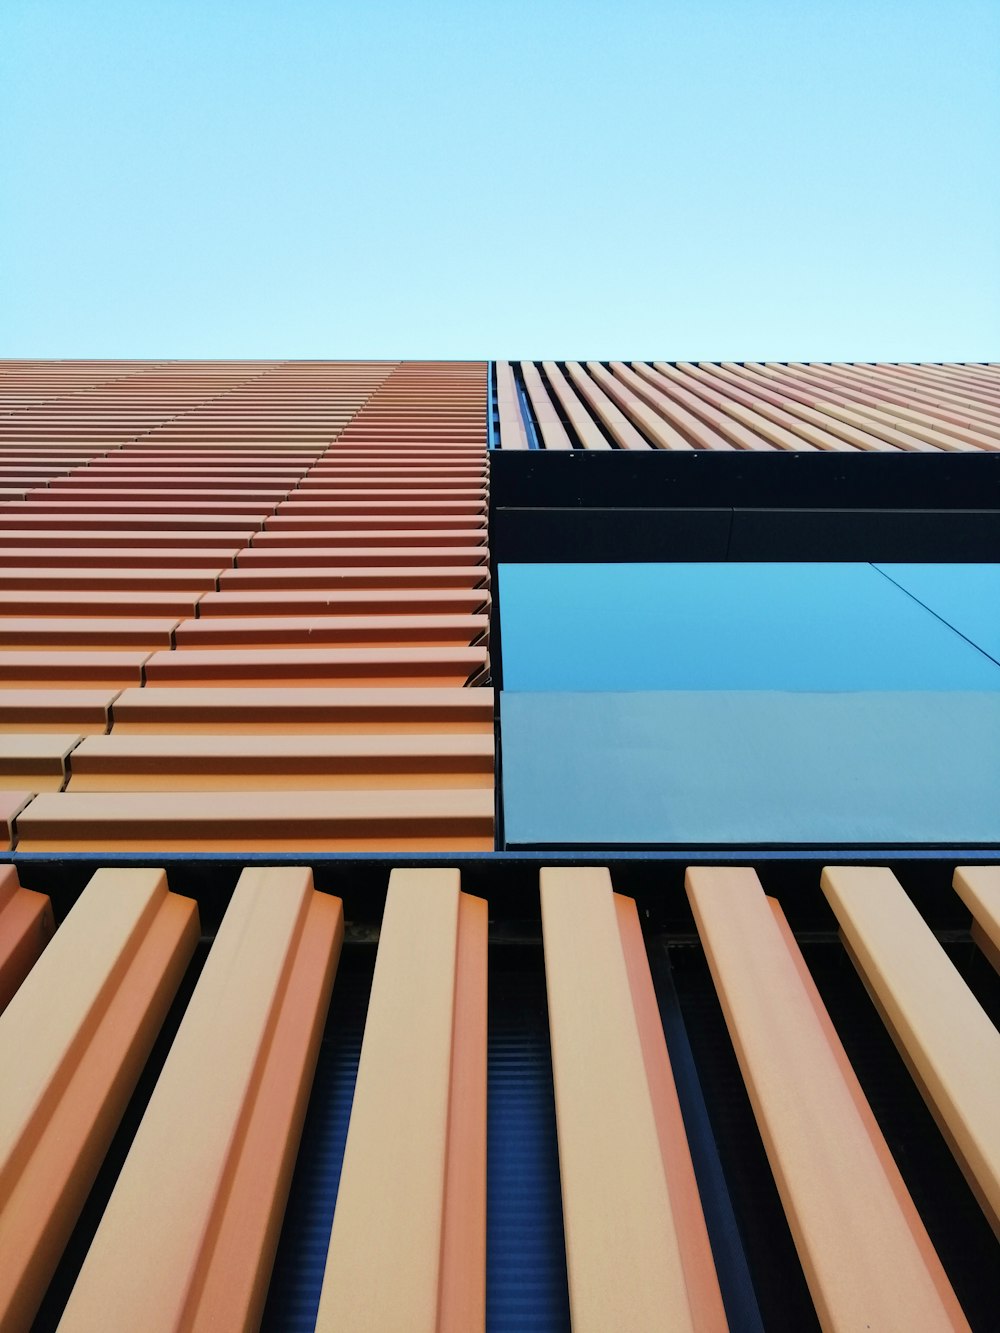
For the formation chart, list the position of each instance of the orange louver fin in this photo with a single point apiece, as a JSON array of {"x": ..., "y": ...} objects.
[
  {"x": 85, "y": 712},
  {"x": 315, "y": 666},
  {"x": 979, "y": 889},
  {"x": 637, "y": 1248},
  {"x": 371, "y": 631},
  {"x": 408, "y": 819},
  {"x": 188, "y": 1237},
  {"x": 947, "y": 1040},
  {"x": 864, "y": 1250},
  {"x": 193, "y": 761},
  {"x": 26, "y": 926},
  {"x": 35, "y": 759},
  {"x": 12, "y": 802},
  {"x": 418, "y": 1125},
  {"x": 252, "y": 709},
  {"x": 43, "y": 669},
  {"x": 512, "y": 432},
  {"x": 73, "y": 1042}
]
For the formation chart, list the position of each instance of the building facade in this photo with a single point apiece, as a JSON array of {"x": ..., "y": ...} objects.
[{"x": 499, "y": 844}]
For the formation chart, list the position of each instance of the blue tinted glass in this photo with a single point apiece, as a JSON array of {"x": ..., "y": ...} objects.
[
  {"x": 721, "y": 767},
  {"x": 725, "y": 627},
  {"x": 966, "y": 596}
]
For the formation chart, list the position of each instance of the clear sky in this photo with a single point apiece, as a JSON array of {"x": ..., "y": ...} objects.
[{"x": 215, "y": 178}]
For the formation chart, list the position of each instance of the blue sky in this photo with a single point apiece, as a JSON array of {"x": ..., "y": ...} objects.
[{"x": 199, "y": 178}]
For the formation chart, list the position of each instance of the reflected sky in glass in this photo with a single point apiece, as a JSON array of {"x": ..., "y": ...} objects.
[{"x": 729, "y": 627}]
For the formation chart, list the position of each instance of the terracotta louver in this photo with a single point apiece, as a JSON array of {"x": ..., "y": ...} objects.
[
  {"x": 26, "y": 925},
  {"x": 864, "y": 1251},
  {"x": 224, "y": 528},
  {"x": 188, "y": 1237},
  {"x": 418, "y": 1125},
  {"x": 637, "y": 1249},
  {"x": 751, "y": 406},
  {"x": 73, "y": 1041}
]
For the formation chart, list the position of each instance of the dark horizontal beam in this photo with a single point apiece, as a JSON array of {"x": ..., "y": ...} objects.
[
  {"x": 596, "y": 534},
  {"x": 615, "y": 506},
  {"x": 509, "y": 880},
  {"x": 624, "y": 479}
]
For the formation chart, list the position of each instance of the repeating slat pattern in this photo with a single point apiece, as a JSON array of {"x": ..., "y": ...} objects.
[
  {"x": 244, "y": 607},
  {"x": 256, "y": 531},
  {"x": 948, "y": 1042},
  {"x": 418, "y": 1126},
  {"x": 863, "y": 1248},
  {"x": 637, "y": 1250},
  {"x": 188, "y": 1234},
  {"x": 748, "y": 405},
  {"x": 979, "y": 889},
  {"x": 73, "y": 1041},
  {"x": 283, "y": 820}
]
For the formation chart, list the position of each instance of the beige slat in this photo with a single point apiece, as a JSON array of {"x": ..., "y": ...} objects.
[
  {"x": 73, "y": 1042},
  {"x": 616, "y": 422},
  {"x": 922, "y": 405},
  {"x": 406, "y": 819},
  {"x": 26, "y": 926},
  {"x": 512, "y": 432},
  {"x": 635, "y": 1261},
  {"x": 864, "y": 1251},
  {"x": 937, "y": 392},
  {"x": 726, "y": 381},
  {"x": 587, "y": 431},
  {"x": 188, "y": 1237},
  {"x": 700, "y": 385},
  {"x": 979, "y": 889},
  {"x": 667, "y": 390},
  {"x": 940, "y": 434},
  {"x": 35, "y": 759},
  {"x": 948, "y": 1042},
  {"x": 934, "y": 429},
  {"x": 189, "y": 762},
  {"x": 848, "y": 410},
  {"x": 979, "y": 435},
  {"x": 418, "y": 1125},
  {"x": 658, "y": 431},
  {"x": 759, "y": 377},
  {"x": 553, "y": 431},
  {"x": 666, "y": 406},
  {"x": 243, "y": 710}
]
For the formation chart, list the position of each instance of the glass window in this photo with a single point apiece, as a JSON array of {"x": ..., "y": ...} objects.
[
  {"x": 717, "y": 767},
  {"x": 967, "y": 597},
  {"x": 727, "y": 627}
]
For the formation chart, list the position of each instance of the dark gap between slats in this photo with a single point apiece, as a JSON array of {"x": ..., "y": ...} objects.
[
  {"x": 782, "y": 1295},
  {"x": 955, "y": 1223},
  {"x": 979, "y": 975},
  {"x": 526, "y": 1288},
  {"x": 735, "y": 1283},
  {"x": 492, "y": 410},
  {"x": 560, "y": 411},
  {"x": 297, "y": 1277},
  {"x": 51, "y": 1309},
  {"x": 528, "y": 415}
]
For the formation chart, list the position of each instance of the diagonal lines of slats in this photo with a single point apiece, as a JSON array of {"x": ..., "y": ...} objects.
[
  {"x": 278, "y": 533},
  {"x": 188, "y": 1235},
  {"x": 748, "y": 405}
]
